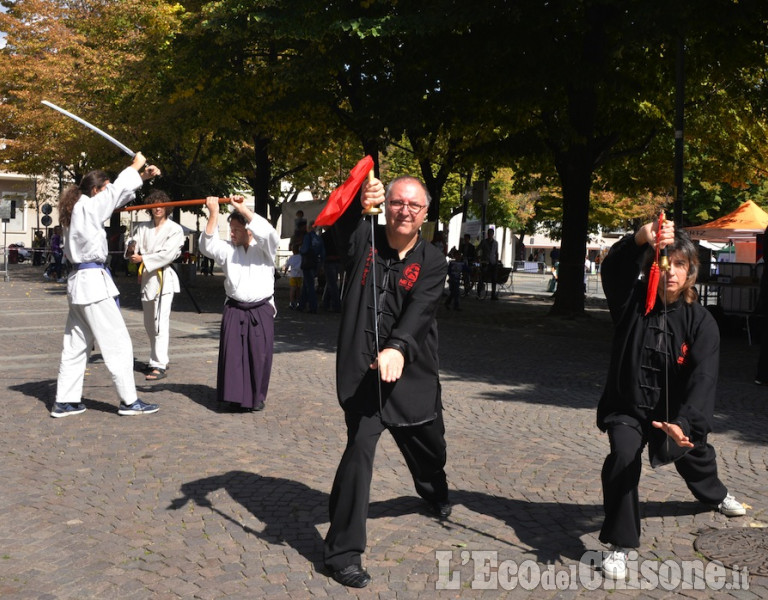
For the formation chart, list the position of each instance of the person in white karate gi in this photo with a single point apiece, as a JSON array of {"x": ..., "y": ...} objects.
[
  {"x": 93, "y": 311},
  {"x": 158, "y": 244}
]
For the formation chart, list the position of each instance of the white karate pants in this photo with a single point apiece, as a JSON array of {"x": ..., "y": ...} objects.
[
  {"x": 158, "y": 326},
  {"x": 102, "y": 322}
]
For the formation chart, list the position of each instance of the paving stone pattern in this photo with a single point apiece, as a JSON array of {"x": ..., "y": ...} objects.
[{"x": 192, "y": 503}]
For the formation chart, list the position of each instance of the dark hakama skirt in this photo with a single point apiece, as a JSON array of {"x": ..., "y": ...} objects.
[{"x": 245, "y": 352}]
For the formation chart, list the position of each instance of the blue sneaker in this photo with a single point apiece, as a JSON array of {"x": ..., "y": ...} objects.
[
  {"x": 64, "y": 409},
  {"x": 137, "y": 408}
]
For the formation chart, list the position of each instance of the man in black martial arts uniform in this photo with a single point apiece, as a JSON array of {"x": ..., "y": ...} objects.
[
  {"x": 661, "y": 385},
  {"x": 399, "y": 389}
]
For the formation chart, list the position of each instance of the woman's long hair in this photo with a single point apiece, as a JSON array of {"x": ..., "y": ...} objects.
[
  {"x": 687, "y": 248},
  {"x": 70, "y": 196}
]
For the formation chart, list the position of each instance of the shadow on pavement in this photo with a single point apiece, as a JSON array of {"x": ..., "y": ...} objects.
[
  {"x": 45, "y": 391},
  {"x": 204, "y": 395},
  {"x": 291, "y": 512},
  {"x": 289, "y": 509}
]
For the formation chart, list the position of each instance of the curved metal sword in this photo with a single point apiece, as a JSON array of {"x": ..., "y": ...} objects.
[{"x": 93, "y": 128}]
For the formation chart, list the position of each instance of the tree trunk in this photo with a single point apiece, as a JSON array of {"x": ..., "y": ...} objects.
[
  {"x": 371, "y": 148},
  {"x": 261, "y": 177},
  {"x": 575, "y": 170},
  {"x": 435, "y": 185}
]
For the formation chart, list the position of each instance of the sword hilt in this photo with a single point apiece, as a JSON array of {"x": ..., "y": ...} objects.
[
  {"x": 372, "y": 210},
  {"x": 663, "y": 260}
]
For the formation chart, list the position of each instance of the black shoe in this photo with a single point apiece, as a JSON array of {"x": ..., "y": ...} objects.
[
  {"x": 259, "y": 407},
  {"x": 352, "y": 576},
  {"x": 442, "y": 510}
]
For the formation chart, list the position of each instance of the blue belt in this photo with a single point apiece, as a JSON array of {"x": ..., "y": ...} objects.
[
  {"x": 96, "y": 265},
  {"x": 89, "y": 265}
]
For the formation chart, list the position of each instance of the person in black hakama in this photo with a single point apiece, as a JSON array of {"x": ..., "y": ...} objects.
[
  {"x": 398, "y": 390},
  {"x": 661, "y": 385},
  {"x": 248, "y": 319}
]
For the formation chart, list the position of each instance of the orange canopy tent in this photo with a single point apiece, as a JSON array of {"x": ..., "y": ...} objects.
[{"x": 742, "y": 224}]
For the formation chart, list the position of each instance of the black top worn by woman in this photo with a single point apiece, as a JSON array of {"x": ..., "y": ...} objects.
[{"x": 648, "y": 352}]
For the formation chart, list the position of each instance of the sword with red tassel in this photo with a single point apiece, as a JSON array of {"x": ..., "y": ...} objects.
[{"x": 660, "y": 263}]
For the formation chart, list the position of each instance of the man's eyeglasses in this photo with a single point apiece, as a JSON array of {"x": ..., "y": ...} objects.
[{"x": 397, "y": 205}]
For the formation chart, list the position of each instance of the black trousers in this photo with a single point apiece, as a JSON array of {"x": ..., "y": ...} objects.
[
  {"x": 621, "y": 475},
  {"x": 488, "y": 275},
  {"x": 423, "y": 447}
]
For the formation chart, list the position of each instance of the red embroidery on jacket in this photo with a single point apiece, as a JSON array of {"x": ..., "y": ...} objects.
[
  {"x": 367, "y": 267},
  {"x": 410, "y": 275},
  {"x": 683, "y": 354}
]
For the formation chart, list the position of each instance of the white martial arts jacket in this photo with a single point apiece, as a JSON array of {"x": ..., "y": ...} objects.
[
  {"x": 158, "y": 249},
  {"x": 249, "y": 276},
  {"x": 85, "y": 240}
]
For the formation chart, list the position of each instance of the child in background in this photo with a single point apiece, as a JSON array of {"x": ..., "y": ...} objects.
[{"x": 292, "y": 269}]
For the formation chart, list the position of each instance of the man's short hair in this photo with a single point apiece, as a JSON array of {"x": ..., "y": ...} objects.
[
  {"x": 236, "y": 216},
  {"x": 408, "y": 178}
]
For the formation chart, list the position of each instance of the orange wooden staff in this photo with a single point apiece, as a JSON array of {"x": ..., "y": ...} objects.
[{"x": 198, "y": 202}]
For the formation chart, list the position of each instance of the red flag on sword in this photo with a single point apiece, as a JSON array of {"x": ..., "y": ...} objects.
[
  {"x": 340, "y": 198},
  {"x": 654, "y": 274}
]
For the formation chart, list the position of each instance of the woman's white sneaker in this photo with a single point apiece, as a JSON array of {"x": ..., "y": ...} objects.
[{"x": 615, "y": 563}]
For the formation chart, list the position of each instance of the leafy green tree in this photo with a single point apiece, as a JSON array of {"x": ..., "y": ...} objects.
[{"x": 596, "y": 81}]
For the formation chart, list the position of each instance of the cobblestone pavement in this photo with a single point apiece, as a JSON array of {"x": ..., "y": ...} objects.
[{"x": 191, "y": 503}]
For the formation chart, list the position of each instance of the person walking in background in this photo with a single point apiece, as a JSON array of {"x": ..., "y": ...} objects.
[
  {"x": 248, "y": 322},
  {"x": 38, "y": 248},
  {"x": 438, "y": 240},
  {"x": 57, "y": 252},
  {"x": 158, "y": 244},
  {"x": 469, "y": 252},
  {"x": 397, "y": 389},
  {"x": 91, "y": 293},
  {"x": 661, "y": 385},
  {"x": 457, "y": 269},
  {"x": 331, "y": 266},
  {"x": 312, "y": 257},
  {"x": 489, "y": 255}
]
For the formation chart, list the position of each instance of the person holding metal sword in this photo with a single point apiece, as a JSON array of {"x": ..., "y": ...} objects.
[
  {"x": 386, "y": 364},
  {"x": 93, "y": 311},
  {"x": 661, "y": 384}
]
